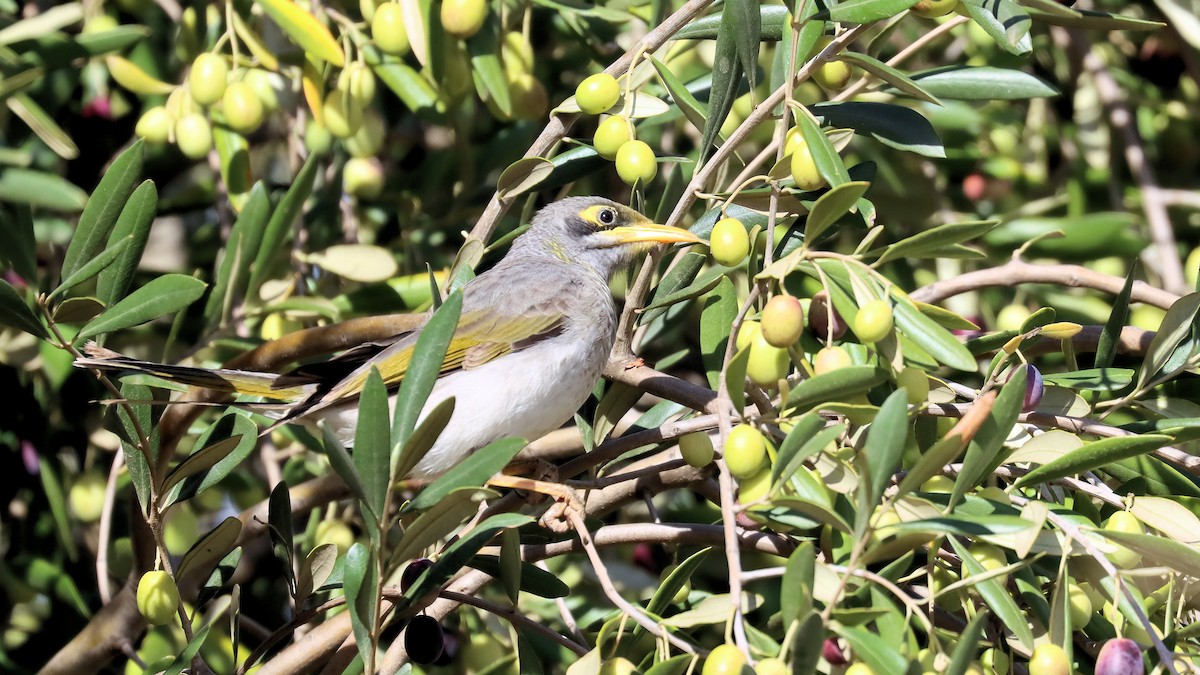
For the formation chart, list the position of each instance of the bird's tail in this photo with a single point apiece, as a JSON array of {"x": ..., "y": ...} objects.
[{"x": 245, "y": 382}]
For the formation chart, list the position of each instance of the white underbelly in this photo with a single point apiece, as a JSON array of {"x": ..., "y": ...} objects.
[{"x": 523, "y": 395}]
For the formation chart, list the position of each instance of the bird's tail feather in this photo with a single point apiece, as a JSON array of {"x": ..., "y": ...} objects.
[{"x": 248, "y": 383}]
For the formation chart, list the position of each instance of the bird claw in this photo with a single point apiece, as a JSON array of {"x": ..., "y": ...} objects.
[
  {"x": 566, "y": 500},
  {"x": 636, "y": 362}
]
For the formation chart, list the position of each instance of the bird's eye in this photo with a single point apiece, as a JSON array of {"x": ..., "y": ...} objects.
[{"x": 608, "y": 216}]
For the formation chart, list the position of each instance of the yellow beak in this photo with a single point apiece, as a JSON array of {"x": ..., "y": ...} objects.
[{"x": 650, "y": 233}]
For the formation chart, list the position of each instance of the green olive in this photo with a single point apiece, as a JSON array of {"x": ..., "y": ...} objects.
[
  {"x": 804, "y": 168},
  {"x": 463, "y": 18},
  {"x": 729, "y": 242},
  {"x": 157, "y": 597},
  {"x": 387, "y": 28},
  {"x": 782, "y": 321},
  {"x": 636, "y": 163},
  {"x": 745, "y": 451},
  {"x": 362, "y": 177},
  {"x": 915, "y": 383},
  {"x": 207, "y": 79},
  {"x": 726, "y": 659},
  {"x": 874, "y": 321},
  {"x": 697, "y": 449},
  {"x": 86, "y": 497},
  {"x": 611, "y": 134},
  {"x": 154, "y": 125},
  {"x": 242, "y": 107},
  {"x": 597, "y": 93},
  {"x": 193, "y": 134},
  {"x": 1049, "y": 659},
  {"x": 830, "y": 359}
]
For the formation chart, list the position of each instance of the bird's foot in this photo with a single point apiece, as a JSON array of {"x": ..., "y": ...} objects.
[
  {"x": 635, "y": 362},
  {"x": 566, "y": 500}
]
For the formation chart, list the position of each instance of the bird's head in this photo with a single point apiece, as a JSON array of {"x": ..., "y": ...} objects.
[{"x": 597, "y": 232}]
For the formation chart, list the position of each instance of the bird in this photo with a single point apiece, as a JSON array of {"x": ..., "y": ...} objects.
[{"x": 534, "y": 333}]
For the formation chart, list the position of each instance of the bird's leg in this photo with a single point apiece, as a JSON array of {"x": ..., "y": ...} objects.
[{"x": 565, "y": 499}]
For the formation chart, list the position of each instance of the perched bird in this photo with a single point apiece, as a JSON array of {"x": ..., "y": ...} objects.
[{"x": 532, "y": 338}]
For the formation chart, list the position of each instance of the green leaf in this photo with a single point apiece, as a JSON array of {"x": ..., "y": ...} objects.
[
  {"x": 827, "y": 159},
  {"x": 1005, "y": 21},
  {"x": 967, "y": 645},
  {"x": 984, "y": 453},
  {"x": 1176, "y": 326},
  {"x": 1096, "y": 379},
  {"x": 661, "y": 599},
  {"x": 1110, "y": 335},
  {"x": 91, "y": 268},
  {"x": 836, "y": 385},
  {"x": 283, "y": 217},
  {"x": 522, "y": 176},
  {"x": 938, "y": 342},
  {"x": 461, "y": 551},
  {"x": 372, "y": 442},
  {"x": 184, "y": 659},
  {"x": 43, "y": 125},
  {"x": 53, "y": 19},
  {"x": 693, "y": 110},
  {"x": 726, "y": 76},
  {"x": 982, "y": 83},
  {"x": 343, "y": 466},
  {"x": 1085, "y": 237},
  {"x": 45, "y": 190},
  {"x": 57, "y": 499},
  {"x": 996, "y": 597},
  {"x": 165, "y": 295},
  {"x": 832, "y": 205},
  {"x": 135, "y": 459},
  {"x": 796, "y": 446},
  {"x": 1094, "y": 456},
  {"x": 210, "y": 549},
  {"x": 423, "y": 438},
  {"x": 885, "y": 442},
  {"x": 233, "y": 425},
  {"x": 473, "y": 471},
  {"x": 422, "y": 373},
  {"x": 533, "y": 579},
  {"x": 412, "y": 89},
  {"x": 220, "y": 577},
  {"x": 867, "y": 11},
  {"x": 14, "y": 312},
  {"x": 931, "y": 463},
  {"x": 360, "y": 581},
  {"x": 133, "y": 225},
  {"x": 439, "y": 521},
  {"x": 199, "y": 461},
  {"x": 18, "y": 247},
  {"x": 772, "y": 24},
  {"x": 796, "y": 589},
  {"x": 240, "y": 251},
  {"x": 1055, "y": 14},
  {"x": 102, "y": 209},
  {"x": 486, "y": 68},
  {"x": 279, "y": 518},
  {"x": 1182, "y": 558},
  {"x": 893, "y": 125},
  {"x": 806, "y": 651},
  {"x": 892, "y": 76},
  {"x": 676, "y": 286},
  {"x": 875, "y": 651},
  {"x": 305, "y": 30},
  {"x": 935, "y": 238},
  {"x": 747, "y": 24},
  {"x": 716, "y": 319}
]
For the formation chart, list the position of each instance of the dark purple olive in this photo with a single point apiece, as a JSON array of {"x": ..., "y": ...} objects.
[
  {"x": 1120, "y": 656},
  {"x": 449, "y": 650},
  {"x": 818, "y": 318},
  {"x": 412, "y": 572},
  {"x": 832, "y": 652},
  {"x": 424, "y": 640},
  {"x": 1034, "y": 388}
]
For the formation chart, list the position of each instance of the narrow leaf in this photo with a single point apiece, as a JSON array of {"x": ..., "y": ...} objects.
[
  {"x": 372, "y": 442},
  {"x": 165, "y": 295},
  {"x": 1094, "y": 456},
  {"x": 982, "y": 83},
  {"x": 304, "y": 29},
  {"x": 893, "y": 125},
  {"x": 832, "y": 205},
  {"x": 102, "y": 209},
  {"x": 423, "y": 372},
  {"x": 14, "y": 312},
  {"x": 1106, "y": 347},
  {"x": 360, "y": 580},
  {"x": 885, "y": 442},
  {"x": 133, "y": 224},
  {"x": 473, "y": 471}
]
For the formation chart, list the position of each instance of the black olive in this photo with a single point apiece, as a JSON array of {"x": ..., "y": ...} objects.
[
  {"x": 423, "y": 640},
  {"x": 414, "y": 570}
]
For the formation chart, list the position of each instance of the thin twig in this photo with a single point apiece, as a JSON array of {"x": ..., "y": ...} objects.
[{"x": 515, "y": 618}]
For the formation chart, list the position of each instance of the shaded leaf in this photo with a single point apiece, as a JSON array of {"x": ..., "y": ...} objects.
[
  {"x": 522, "y": 176},
  {"x": 360, "y": 580},
  {"x": 133, "y": 225},
  {"x": 38, "y": 188},
  {"x": 18, "y": 247},
  {"x": 473, "y": 471},
  {"x": 283, "y": 217},
  {"x": 720, "y": 309},
  {"x": 893, "y": 125},
  {"x": 982, "y": 83},
  {"x": 14, "y": 312},
  {"x": 439, "y": 521},
  {"x": 832, "y": 205}
]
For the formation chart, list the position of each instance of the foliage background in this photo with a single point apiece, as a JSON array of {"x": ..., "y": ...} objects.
[{"x": 1101, "y": 145}]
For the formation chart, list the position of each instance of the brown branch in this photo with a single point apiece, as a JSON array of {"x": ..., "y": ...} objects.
[{"x": 1020, "y": 272}]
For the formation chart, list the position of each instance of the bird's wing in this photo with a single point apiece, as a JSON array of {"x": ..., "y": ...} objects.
[{"x": 480, "y": 337}]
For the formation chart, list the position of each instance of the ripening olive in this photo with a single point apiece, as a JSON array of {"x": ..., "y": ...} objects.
[
  {"x": 597, "y": 93},
  {"x": 207, "y": 79},
  {"x": 729, "y": 242},
  {"x": 1049, "y": 659},
  {"x": 611, "y": 134},
  {"x": 782, "y": 321},
  {"x": 697, "y": 449},
  {"x": 157, "y": 597},
  {"x": 636, "y": 163},
  {"x": 745, "y": 451},
  {"x": 387, "y": 28},
  {"x": 463, "y": 18},
  {"x": 874, "y": 321}
]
